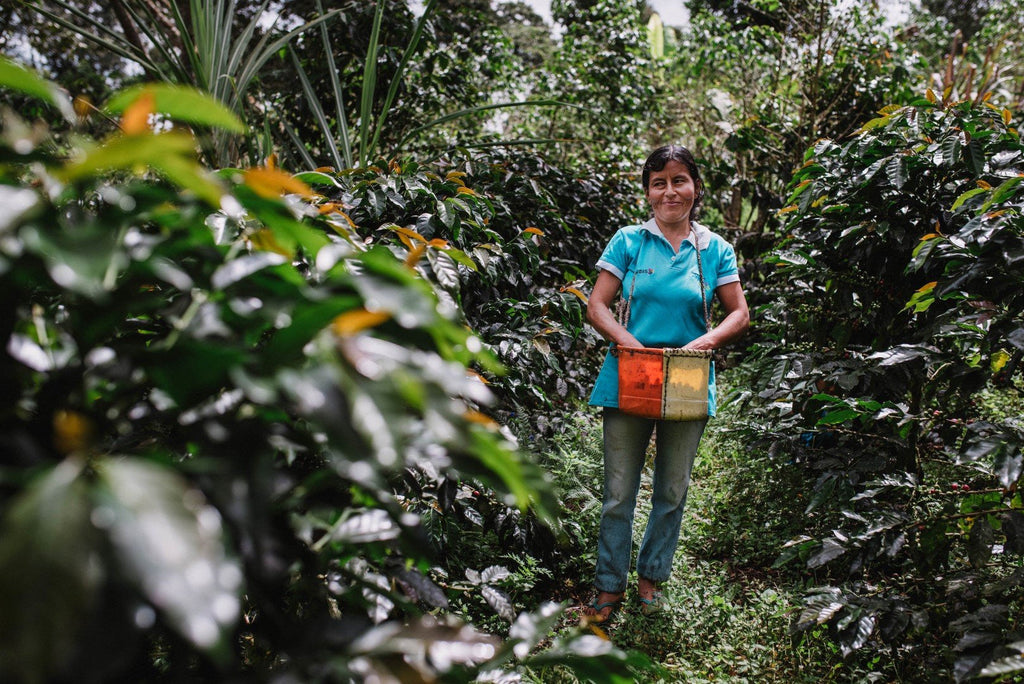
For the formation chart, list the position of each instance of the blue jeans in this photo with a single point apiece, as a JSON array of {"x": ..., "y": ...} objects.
[{"x": 625, "y": 442}]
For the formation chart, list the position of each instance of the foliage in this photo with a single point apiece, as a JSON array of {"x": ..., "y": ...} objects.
[
  {"x": 897, "y": 303},
  {"x": 967, "y": 16},
  {"x": 749, "y": 98},
  {"x": 520, "y": 285},
  {"x": 358, "y": 137},
  {"x": 217, "y": 397},
  {"x": 194, "y": 43},
  {"x": 602, "y": 65}
]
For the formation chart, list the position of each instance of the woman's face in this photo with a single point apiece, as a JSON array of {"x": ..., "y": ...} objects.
[{"x": 671, "y": 192}]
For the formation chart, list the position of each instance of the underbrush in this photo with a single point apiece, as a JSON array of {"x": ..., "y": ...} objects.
[{"x": 729, "y": 611}]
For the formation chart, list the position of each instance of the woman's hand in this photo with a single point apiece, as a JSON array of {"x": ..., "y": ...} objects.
[
  {"x": 600, "y": 315},
  {"x": 735, "y": 323}
]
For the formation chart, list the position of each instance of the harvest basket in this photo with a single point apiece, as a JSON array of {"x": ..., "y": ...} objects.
[{"x": 664, "y": 384}]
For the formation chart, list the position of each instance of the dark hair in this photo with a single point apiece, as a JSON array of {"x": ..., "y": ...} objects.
[{"x": 660, "y": 157}]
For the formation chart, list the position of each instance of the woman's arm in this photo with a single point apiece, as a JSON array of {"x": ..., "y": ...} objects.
[
  {"x": 599, "y": 311},
  {"x": 735, "y": 323}
]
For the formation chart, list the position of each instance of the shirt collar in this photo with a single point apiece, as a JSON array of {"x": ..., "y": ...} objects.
[{"x": 696, "y": 229}]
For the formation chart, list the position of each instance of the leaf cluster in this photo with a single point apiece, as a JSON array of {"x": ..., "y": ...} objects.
[
  {"x": 896, "y": 306},
  {"x": 227, "y": 412}
]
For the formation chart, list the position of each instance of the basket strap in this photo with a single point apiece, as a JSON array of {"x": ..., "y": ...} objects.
[{"x": 700, "y": 275}]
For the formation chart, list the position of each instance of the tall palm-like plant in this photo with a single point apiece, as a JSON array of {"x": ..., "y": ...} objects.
[
  {"x": 189, "y": 42},
  {"x": 355, "y": 143}
]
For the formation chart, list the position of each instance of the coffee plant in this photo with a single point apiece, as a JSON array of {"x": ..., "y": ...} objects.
[
  {"x": 896, "y": 306},
  {"x": 230, "y": 414}
]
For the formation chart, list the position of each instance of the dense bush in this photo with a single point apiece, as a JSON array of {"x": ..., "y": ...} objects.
[
  {"x": 232, "y": 421},
  {"x": 897, "y": 304},
  {"x": 510, "y": 238}
]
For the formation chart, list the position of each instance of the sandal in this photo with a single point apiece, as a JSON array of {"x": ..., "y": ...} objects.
[
  {"x": 655, "y": 604},
  {"x": 597, "y": 617}
]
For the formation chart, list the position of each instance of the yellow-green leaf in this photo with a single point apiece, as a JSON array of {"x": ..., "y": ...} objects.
[
  {"x": 170, "y": 154},
  {"x": 874, "y": 123},
  {"x": 967, "y": 195},
  {"x": 656, "y": 36},
  {"x": 182, "y": 104}
]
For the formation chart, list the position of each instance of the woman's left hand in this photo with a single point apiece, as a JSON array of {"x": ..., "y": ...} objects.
[
  {"x": 705, "y": 341},
  {"x": 735, "y": 323}
]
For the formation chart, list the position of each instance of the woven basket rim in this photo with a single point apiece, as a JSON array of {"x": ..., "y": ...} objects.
[{"x": 663, "y": 351}]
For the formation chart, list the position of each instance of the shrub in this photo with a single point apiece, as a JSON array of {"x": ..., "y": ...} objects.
[
  {"x": 898, "y": 302},
  {"x": 218, "y": 400}
]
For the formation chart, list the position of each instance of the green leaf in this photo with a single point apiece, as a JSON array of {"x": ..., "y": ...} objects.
[
  {"x": 171, "y": 543},
  {"x": 18, "y": 203},
  {"x": 317, "y": 178},
  {"x": 318, "y": 112},
  {"x": 1005, "y": 190},
  {"x": 499, "y": 601},
  {"x": 363, "y": 527},
  {"x": 874, "y": 123},
  {"x": 1005, "y": 666},
  {"x": 50, "y": 574},
  {"x": 855, "y": 635},
  {"x": 369, "y": 87},
  {"x": 836, "y": 417},
  {"x": 397, "y": 77},
  {"x": 170, "y": 153},
  {"x": 16, "y": 77},
  {"x": 897, "y": 172},
  {"x": 181, "y": 103},
  {"x": 951, "y": 149},
  {"x": 974, "y": 155},
  {"x": 79, "y": 260},
  {"x": 820, "y": 607},
  {"x": 503, "y": 463},
  {"x": 308, "y": 319},
  {"x": 336, "y": 88},
  {"x": 445, "y": 270},
  {"x": 462, "y": 258},
  {"x": 656, "y": 36},
  {"x": 231, "y": 272},
  {"x": 829, "y": 551},
  {"x": 192, "y": 371},
  {"x": 966, "y": 196},
  {"x": 445, "y": 213}
]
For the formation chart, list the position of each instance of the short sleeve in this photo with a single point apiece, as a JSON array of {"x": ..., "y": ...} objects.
[
  {"x": 727, "y": 269},
  {"x": 615, "y": 258}
]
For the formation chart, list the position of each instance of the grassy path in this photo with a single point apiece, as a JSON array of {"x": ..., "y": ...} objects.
[{"x": 729, "y": 612}]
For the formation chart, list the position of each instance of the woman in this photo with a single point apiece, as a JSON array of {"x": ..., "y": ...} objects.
[{"x": 658, "y": 262}]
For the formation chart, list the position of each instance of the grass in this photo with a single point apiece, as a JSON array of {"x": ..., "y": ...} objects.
[{"x": 729, "y": 610}]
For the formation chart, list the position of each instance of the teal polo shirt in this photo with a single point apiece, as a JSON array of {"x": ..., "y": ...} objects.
[{"x": 666, "y": 309}]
